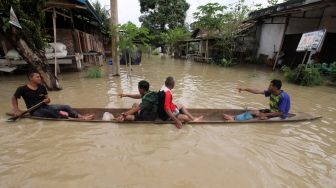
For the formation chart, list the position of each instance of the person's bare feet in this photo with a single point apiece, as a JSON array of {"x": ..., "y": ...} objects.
[
  {"x": 228, "y": 117},
  {"x": 197, "y": 119},
  {"x": 63, "y": 114},
  {"x": 86, "y": 117}
]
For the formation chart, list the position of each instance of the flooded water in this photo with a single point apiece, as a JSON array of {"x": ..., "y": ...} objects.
[{"x": 62, "y": 154}]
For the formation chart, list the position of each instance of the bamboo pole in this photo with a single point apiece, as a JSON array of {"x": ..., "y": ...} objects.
[
  {"x": 282, "y": 42},
  {"x": 54, "y": 28},
  {"x": 303, "y": 61},
  {"x": 207, "y": 50},
  {"x": 130, "y": 62},
  {"x": 115, "y": 38}
]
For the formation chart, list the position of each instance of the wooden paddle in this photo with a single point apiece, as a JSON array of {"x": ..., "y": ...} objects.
[{"x": 12, "y": 119}]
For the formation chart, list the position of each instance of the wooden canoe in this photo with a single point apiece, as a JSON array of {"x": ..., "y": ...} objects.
[{"x": 211, "y": 116}]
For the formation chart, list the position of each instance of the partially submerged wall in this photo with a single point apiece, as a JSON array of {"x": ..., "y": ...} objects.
[
  {"x": 312, "y": 20},
  {"x": 271, "y": 35}
]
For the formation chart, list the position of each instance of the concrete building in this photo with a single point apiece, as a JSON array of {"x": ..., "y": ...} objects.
[{"x": 278, "y": 30}]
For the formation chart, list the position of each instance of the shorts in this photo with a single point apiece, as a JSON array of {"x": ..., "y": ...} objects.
[
  {"x": 265, "y": 111},
  {"x": 244, "y": 116},
  {"x": 144, "y": 117},
  {"x": 176, "y": 112}
]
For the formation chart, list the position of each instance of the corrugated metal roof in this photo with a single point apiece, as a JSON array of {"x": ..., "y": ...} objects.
[
  {"x": 81, "y": 1},
  {"x": 283, "y": 7},
  {"x": 90, "y": 9}
]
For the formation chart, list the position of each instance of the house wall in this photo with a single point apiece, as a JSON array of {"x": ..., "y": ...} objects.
[
  {"x": 92, "y": 42},
  {"x": 65, "y": 36},
  {"x": 271, "y": 35}
]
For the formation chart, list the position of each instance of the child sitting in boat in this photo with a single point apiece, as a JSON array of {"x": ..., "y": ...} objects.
[
  {"x": 279, "y": 104},
  {"x": 168, "y": 110}
]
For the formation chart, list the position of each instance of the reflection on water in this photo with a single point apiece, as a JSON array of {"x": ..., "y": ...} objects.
[{"x": 62, "y": 154}]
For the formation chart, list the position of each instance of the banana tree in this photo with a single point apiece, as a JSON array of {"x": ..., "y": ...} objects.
[{"x": 130, "y": 36}]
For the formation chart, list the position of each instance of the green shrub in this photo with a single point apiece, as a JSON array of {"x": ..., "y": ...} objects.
[
  {"x": 155, "y": 52},
  {"x": 332, "y": 72},
  {"x": 252, "y": 60},
  {"x": 223, "y": 62},
  {"x": 301, "y": 75},
  {"x": 332, "y": 77},
  {"x": 94, "y": 72},
  {"x": 322, "y": 68}
]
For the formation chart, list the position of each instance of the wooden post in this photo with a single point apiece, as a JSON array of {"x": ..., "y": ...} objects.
[
  {"x": 74, "y": 35},
  {"x": 78, "y": 61},
  {"x": 310, "y": 54},
  {"x": 200, "y": 47},
  {"x": 206, "y": 50},
  {"x": 3, "y": 44},
  {"x": 281, "y": 44},
  {"x": 187, "y": 50},
  {"x": 115, "y": 38},
  {"x": 304, "y": 58},
  {"x": 150, "y": 52},
  {"x": 54, "y": 28},
  {"x": 130, "y": 62}
]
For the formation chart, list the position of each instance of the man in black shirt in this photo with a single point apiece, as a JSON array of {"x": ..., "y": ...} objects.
[{"x": 34, "y": 92}]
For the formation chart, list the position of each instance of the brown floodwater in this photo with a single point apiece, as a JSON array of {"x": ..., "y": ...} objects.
[{"x": 67, "y": 154}]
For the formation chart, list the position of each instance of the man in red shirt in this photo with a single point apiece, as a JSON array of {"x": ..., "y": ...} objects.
[{"x": 168, "y": 110}]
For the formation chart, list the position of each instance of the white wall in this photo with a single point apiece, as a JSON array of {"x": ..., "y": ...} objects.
[{"x": 271, "y": 35}]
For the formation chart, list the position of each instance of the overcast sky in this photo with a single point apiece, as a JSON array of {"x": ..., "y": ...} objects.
[{"x": 129, "y": 10}]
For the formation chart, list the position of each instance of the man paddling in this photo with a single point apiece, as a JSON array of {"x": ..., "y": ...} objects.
[
  {"x": 168, "y": 110},
  {"x": 146, "y": 110},
  {"x": 34, "y": 92},
  {"x": 279, "y": 104}
]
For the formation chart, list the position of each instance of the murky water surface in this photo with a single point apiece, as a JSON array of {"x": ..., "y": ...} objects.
[{"x": 62, "y": 154}]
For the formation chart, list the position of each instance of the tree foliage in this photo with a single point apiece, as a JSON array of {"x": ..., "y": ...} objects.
[
  {"x": 222, "y": 20},
  {"x": 213, "y": 16},
  {"x": 31, "y": 18},
  {"x": 161, "y": 15},
  {"x": 272, "y": 2},
  {"x": 173, "y": 36},
  {"x": 103, "y": 14},
  {"x": 29, "y": 41},
  {"x": 210, "y": 16},
  {"x": 130, "y": 35}
]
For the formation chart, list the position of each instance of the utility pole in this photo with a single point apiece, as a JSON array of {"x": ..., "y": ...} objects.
[{"x": 115, "y": 38}]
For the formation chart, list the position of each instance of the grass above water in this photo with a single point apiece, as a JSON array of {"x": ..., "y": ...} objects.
[{"x": 94, "y": 72}]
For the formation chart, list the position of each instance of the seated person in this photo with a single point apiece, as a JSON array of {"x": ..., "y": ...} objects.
[
  {"x": 147, "y": 110},
  {"x": 168, "y": 110},
  {"x": 242, "y": 117},
  {"x": 279, "y": 104},
  {"x": 34, "y": 92}
]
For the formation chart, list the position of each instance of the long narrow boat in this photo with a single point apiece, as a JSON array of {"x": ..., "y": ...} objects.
[{"x": 210, "y": 116}]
